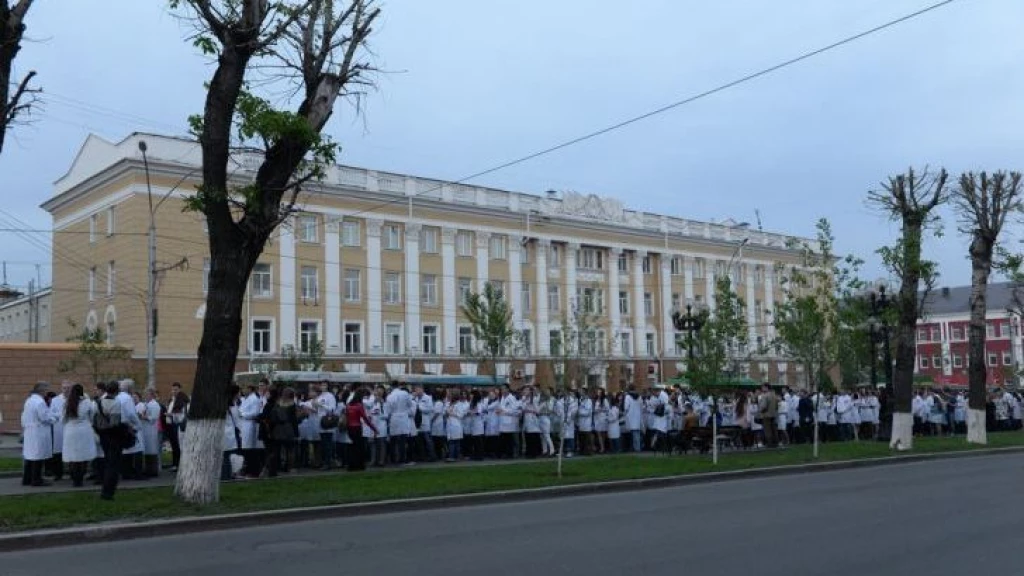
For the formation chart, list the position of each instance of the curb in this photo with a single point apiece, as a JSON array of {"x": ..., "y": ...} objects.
[{"x": 195, "y": 524}]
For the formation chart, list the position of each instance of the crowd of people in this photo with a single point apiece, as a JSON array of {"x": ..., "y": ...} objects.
[{"x": 119, "y": 434}]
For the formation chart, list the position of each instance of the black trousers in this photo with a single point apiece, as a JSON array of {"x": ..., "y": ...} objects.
[
  {"x": 476, "y": 447},
  {"x": 172, "y": 434},
  {"x": 77, "y": 472},
  {"x": 32, "y": 474},
  {"x": 532, "y": 444},
  {"x": 356, "y": 450},
  {"x": 508, "y": 445},
  {"x": 55, "y": 466},
  {"x": 112, "y": 464}
]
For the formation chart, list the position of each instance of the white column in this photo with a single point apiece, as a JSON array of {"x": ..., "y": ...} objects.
[
  {"x": 543, "y": 340},
  {"x": 571, "y": 250},
  {"x": 515, "y": 280},
  {"x": 752, "y": 319},
  {"x": 710, "y": 280},
  {"x": 449, "y": 294},
  {"x": 667, "y": 328},
  {"x": 769, "y": 302},
  {"x": 615, "y": 316},
  {"x": 687, "y": 280},
  {"x": 332, "y": 282},
  {"x": 286, "y": 302},
  {"x": 412, "y": 286},
  {"x": 483, "y": 247},
  {"x": 373, "y": 287},
  {"x": 639, "y": 318}
]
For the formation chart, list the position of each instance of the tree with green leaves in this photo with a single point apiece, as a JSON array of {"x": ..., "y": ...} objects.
[
  {"x": 912, "y": 199},
  {"x": 317, "y": 47},
  {"x": 720, "y": 346},
  {"x": 94, "y": 358},
  {"x": 982, "y": 203},
  {"x": 17, "y": 97},
  {"x": 494, "y": 333},
  {"x": 814, "y": 319}
]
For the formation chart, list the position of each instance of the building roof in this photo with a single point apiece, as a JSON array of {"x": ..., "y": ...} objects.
[
  {"x": 41, "y": 293},
  {"x": 955, "y": 300}
]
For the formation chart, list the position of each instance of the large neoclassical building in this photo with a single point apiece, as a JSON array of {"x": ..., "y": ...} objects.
[{"x": 376, "y": 264}]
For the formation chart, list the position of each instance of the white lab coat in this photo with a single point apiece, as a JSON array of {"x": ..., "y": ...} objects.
[
  {"x": 249, "y": 413},
  {"x": 426, "y": 406},
  {"x": 381, "y": 418},
  {"x": 613, "y": 423},
  {"x": 660, "y": 423},
  {"x": 455, "y": 414},
  {"x": 531, "y": 420},
  {"x": 130, "y": 416},
  {"x": 565, "y": 413},
  {"x": 79, "y": 437},
  {"x": 477, "y": 418},
  {"x": 326, "y": 405},
  {"x": 399, "y": 404},
  {"x": 845, "y": 409},
  {"x": 37, "y": 425},
  {"x": 511, "y": 408},
  {"x": 232, "y": 419},
  {"x": 437, "y": 418},
  {"x": 601, "y": 415},
  {"x": 585, "y": 416},
  {"x": 634, "y": 411},
  {"x": 492, "y": 426},
  {"x": 57, "y": 407},
  {"x": 544, "y": 418},
  {"x": 150, "y": 432}
]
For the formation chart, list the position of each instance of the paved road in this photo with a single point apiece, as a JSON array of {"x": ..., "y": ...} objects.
[{"x": 950, "y": 517}]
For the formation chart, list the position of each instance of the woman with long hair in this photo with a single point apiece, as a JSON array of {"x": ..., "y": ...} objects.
[
  {"x": 601, "y": 407},
  {"x": 79, "y": 437},
  {"x": 546, "y": 408},
  {"x": 380, "y": 421},
  {"x": 457, "y": 408},
  {"x": 476, "y": 429},
  {"x": 531, "y": 421},
  {"x": 613, "y": 427},
  {"x": 356, "y": 417}
]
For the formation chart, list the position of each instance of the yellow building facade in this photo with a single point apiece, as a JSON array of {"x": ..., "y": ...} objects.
[{"x": 375, "y": 266}]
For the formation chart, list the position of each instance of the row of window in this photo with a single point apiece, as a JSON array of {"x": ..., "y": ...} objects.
[
  {"x": 94, "y": 224},
  {"x": 111, "y": 281},
  {"x": 959, "y": 333},
  {"x": 958, "y": 360}
]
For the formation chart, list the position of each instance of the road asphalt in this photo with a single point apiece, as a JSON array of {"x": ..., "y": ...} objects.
[{"x": 940, "y": 517}]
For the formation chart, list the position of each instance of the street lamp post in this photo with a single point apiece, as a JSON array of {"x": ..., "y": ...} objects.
[{"x": 691, "y": 324}]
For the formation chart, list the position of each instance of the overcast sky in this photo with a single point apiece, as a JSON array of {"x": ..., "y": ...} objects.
[{"x": 473, "y": 84}]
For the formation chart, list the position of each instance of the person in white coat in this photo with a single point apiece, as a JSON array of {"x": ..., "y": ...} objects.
[
  {"x": 845, "y": 414},
  {"x": 400, "y": 405},
  {"x": 477, "y": 422},
  {"x": 547, "y": 405},
  {"x": 37, "y": 427},
  {"x": 131, "y": 459},
  {"x": 660, "y": 412},
  {"x": 232, "y": 435},
  {"x": 151, "y": 444},
  {"x": 424, "y": 443},
  {"x": 509, "y": 409},
  {"x": 565, "y": 410},
  {"x": 614, "y": 427},
  {"x": 531, "y": 421},
  {"x": 250, "y": 410},
  {"x": 57, "y": 404},
  {"x": 79, "y": 437},
  {"x": 585, "y": 425},
  {"x": 456, "y": 410},
  {"x": 633, "y": 409},
  {"x": 492, "y": 425},
  {"x": 438, "y": 434}
]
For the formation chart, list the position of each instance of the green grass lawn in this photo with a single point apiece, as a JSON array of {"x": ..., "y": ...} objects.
[
  {"x": 10, "y": 464},
  {"x": 64, "y": 509}
]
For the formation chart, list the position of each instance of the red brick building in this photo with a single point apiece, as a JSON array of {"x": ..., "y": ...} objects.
[{"x": 942, "y": 353}]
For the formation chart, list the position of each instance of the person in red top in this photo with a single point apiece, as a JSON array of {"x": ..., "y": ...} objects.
[{"x": 355, "y": 416}]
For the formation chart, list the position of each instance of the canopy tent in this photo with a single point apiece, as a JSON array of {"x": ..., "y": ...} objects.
[
  {"x": 287, "y": 376},
  {"x": 449, "y": 380}
]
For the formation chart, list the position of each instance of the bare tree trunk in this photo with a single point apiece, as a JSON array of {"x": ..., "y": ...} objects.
[
  {"x": 906, "y": 347},
  {"x": 981, "y": 266}
]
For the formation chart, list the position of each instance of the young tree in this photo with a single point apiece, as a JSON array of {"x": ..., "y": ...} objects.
[
  {"x": 982, "y": 203},
  {"x": 811, "y": 322},
  {"x": 318, "y": 47},
  {"x": 912, "y": 200},
  {"x": 490, "y": 317},
  {"x": 13, "y": 105},
  {"x": 94, "y": 358},
  {"x": 720, "y": 343}
]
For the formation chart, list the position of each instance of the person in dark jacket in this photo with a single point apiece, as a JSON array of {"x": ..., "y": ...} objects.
[
  {"x": 283, "y": 419},
  {"x": 805, "y": 414}
]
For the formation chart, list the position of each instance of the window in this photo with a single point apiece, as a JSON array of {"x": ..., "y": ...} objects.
[
  {"x": 990, "y": 330},
  {"x": 590, "y": 259},
  {"x": 261, "y": 281},
  {"x": 353, "y": 338},
  {"x": 206, "y": 275},
  {"x": 758, "y": 311},
  {"x": 680, "y": 348},
  {"x": 393, "y": 338},
  {"x": 111, "y": 278},
  {"x": 392, "y": 288},
  {"x": 625, "y": 343},
  {"x": 307, "y": 229},
  {"x": 555, "y": 342},
  {"x": 936, "y": 334},
  {"x": 1007, "y": 358},
  {"x": 428, "y": 240},
  {"x": 1004, "y": 330},
  {"x": 353, "y": 284},
  {"x": 591, "y": 300},
  {"x": 262, "y": 332},
  {"x": 464, "y": 243},
  {"x": 498, "y": 246},
  {"x": 111, "y": 221},
  {"x": 527, "y": 341},
  {"x": 92, "y": 228},
  {"x": 759, "y": 275},
  {"x": 677, "y": 265},
  {"x": 958, "y": 333},
  {"x": 922, "y": 335},
  {"x": 958, "y": 361},
  {"x": 554, "y": 256},
  {"x": 428, "y": 289},
  {"x": 350, "y": 233},
  {"x": 309, "y": 335},
  {"x": 92, "y": 284},
  {"x": 465, "y": 340},
  {"x": 720, "y": 270},
  {"x": 111, "y": 333},
  {"x": 392, "y": 236},
  {"x": 936, "y": 362},
  {"x": 650, "y": 344},
  {"x": 526, "y": 297},
  {"x": 698, "y": 268},
  {"x": 525, "y": 254},
  {"x": 554, "y": 299},
  {"x": 646, "y": 265},
  {"x": 648, "y": 304},
  {"x": 308, "y": 276},
  {"x": 623, "y": 302},
  {"x": 993, "y": 360},
  {"x": 465, "y": 289},
  {"x": 739, "y": 274},
  {"x": 677, "y": 301},
  {"x": 924, "y": 361},
  {"x": 430, "y": 339},
  {"x": 623, "y": 262}
]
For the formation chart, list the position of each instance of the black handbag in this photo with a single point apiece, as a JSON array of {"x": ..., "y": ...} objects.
[{"x": 329, "y": 422}]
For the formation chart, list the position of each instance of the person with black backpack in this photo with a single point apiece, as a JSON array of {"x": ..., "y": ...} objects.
[{"x": 113, "y": 435}]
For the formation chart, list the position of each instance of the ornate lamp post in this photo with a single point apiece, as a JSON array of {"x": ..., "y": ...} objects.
[{"x": 691, "y": 324}]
